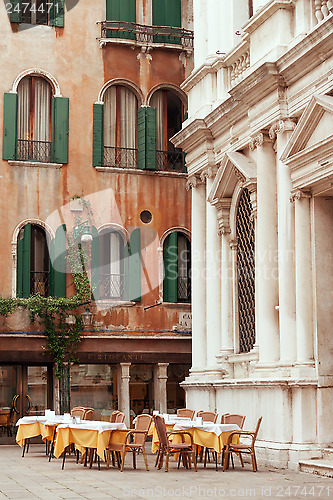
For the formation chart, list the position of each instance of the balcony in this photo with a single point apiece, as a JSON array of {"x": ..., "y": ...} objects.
[
  {"x": 184, "y": 289},
  {"x": 120, "y": 157},
  {"x": 143, "y": 35},
  {"x": 111, "y": 286},
  {"x": 33, "y": 151},
  {"x": 39, "y": 283},
  {"x": 170, "y": 161}
]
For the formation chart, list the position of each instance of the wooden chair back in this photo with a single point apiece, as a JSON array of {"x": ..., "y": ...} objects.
[
  {"x": 233, "y": 418},
  {"x": 207, "y": 416},
  {"x": 120, "y": 417},
  {"x": 185, "y": 412},
  {"x": 142, "y": 423},
  {"x": 161, "y": 430},
  {"x": 113, "y": 416},
  {"x": 88, "y": 414},
  {"x": 78, "y": 411}
]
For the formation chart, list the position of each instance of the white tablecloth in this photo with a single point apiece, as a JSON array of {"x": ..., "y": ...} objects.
[
  {"x": 93, "y": 425},
  {"x": 206, "y": 426}
]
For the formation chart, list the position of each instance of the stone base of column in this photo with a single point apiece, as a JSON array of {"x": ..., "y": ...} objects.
[
  {"x": 214, "y": 373},
  {"x": 304, "y": 370},
  {"x": 196, "y": 374}
]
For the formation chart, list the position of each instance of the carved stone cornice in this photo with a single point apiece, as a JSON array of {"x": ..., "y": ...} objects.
[
  {"x": 223, "y": 215},
  {"x": 281, "y": 126},
  {"x": 192, "y": 182},
  {"x": 258, "y": 140},
  {"x": 299, "y": 195},
  {"x": 208, "y": 173}
]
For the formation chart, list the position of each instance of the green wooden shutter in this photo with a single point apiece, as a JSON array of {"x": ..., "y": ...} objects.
[
  {"x": 16, "y": 11},
  {"x": 51, "y": 268},
  {"x": 98, "y": 135},
  {"x": 147, "y": 138},
  {"x": 134, "y": 270},
  {"x": 126, "y": 271},
  {"x": 121, "y": 10},
  {"x": 23, "y": 263},
  {"x": 60, "y": 129},
  {"x": 95, "y": 263},
  {"x": 9, "y": 126},
  {"x": 151, "y": 138},
  {"x": 57, "y": 13},
  {"x": 167, "y": 13},
  {"x": 170, "y": 259},
  {"x": 59, "y": 262}
]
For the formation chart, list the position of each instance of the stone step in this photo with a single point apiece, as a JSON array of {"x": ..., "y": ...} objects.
[
  {"x": 318, "y": 466},
  {"x": 328, "y": 454}
]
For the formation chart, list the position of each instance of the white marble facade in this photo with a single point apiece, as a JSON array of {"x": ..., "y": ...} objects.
[{"x": 261, "y": 118}]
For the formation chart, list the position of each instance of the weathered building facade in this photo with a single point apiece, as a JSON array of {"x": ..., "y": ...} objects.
[
  {"x": 91, "y": 96},
  {"x": 259, "y": 142}
]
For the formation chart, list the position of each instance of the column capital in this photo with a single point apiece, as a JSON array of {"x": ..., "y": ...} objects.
[
  {"x": 281, "y": 126},
  {"x": 193, "y": 181},
  {"x": 259, "y": 140},
  {"x": 223, "y": 215},
  {"x": 208, "y": 173},
  {"x": 299, "y": 194}
]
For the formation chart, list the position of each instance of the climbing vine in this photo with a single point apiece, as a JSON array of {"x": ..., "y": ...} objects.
[{"x": 61, "y": 320}]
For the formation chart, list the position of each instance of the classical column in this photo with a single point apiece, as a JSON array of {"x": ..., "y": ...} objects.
[
  {"x": 286, "y": 246},
  {"x": 304, "y": 325},
  {"x": 123, "y": 390},
  {"x": 160, "y": 387},
  {"x": 200, "y": 31},
  {"x": 199, "y": 345},
  {"x": 223, "y": 214},
  {"x": 213, "y": 277},
  {"x": 266, "y": 270}
]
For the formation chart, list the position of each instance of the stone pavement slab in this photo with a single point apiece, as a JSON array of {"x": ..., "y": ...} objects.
[{"x": 34, "y": 477}]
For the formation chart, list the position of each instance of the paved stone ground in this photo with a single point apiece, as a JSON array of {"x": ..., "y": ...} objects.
[{"x": 34, "y": 477}]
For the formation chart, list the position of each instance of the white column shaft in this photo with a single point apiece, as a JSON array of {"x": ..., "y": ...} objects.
[
  {"x": 213, "y": 282},
  {"x": 160, "y": 387},
  {"x": 200, "y": 32},
  {"x": 286, "y": 243},
  {"x": 304, "y": 324},
  {"x": 124, "y": 393},
  {"x": 226, "y": 295},
  {"x": 199, "y": 349},
  {"x": 267, "y": 327}
]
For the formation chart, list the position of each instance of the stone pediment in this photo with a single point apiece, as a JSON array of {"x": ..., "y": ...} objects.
[
  {"x": 234, "y": 167},
  {"x": 309, "y": 152}
]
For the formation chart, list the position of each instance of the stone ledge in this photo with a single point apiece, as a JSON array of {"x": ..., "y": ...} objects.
[{"x": 320, "y": 467}]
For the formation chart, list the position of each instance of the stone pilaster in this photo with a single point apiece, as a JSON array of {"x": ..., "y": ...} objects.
[
  {"x": 160, "y": 387},
  {"x": 123, "y": 390}
]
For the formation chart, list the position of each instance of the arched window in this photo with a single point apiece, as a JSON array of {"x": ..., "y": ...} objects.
[
  {"x": 37, "y": 12},
  {"x": 34, "y": 119},
  {"x": 120, "y": 127},
  {"x": 245, "y": 272},
  {"x": 41, "y": 263},
  {"x": 111, "y": 261},
  {"x": 169, "y": 118},
  {"x": 177, "y": 268}
]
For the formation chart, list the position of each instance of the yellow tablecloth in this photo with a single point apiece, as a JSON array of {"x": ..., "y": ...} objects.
[
  {"x": 34, "y": 429},
  {"x": 86, "y": 438}
]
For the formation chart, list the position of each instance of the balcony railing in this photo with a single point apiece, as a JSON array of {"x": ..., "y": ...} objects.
[
  {"x": 322, "y": 9},
  {"x": 39, "y": 283},
  {"x": 33, "y": 150},
  {"x": 184, "y": 289},
  {"x": 143, "y": 34},
  {"x": 111, "y": 286},
  {"x": 172, "y": 161},
  {"x": 120, "y": 157}
]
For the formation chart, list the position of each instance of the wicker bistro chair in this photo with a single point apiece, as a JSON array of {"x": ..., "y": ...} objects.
[
  {"x": 233, "y": 418},
  {"x": 113, "y": 416},
  {"x": 167, "y": 447},
  {"x": 137, "y": 445},
  {"x": 242, "y": 447},
  {"x": 185, "y": 412},
  {"x": 120, "y": 417}
]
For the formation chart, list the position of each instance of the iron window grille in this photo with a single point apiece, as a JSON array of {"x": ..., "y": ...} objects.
[
  {"x": 33, "y": 150},
  {"x": 111, "y": 286},
  {"x": 120, "y": 157},
  {"x": 172, "y": 161},
  {"x": 184, "y": 289},
  {"x": 39, "y": 283}
]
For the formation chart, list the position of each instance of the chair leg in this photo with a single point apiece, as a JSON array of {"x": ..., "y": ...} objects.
[
  {"x": 145, "y": 457},
  {"x": 195, "y": 462},
  {"x": 215, "y": 454},
  {"x": 25, "y": 444},
  {"x": 167, "y": 461},
  {"x": 122, "y": 455},
  {"x": 232, "y": 461},
  {"x": 157, "y": 457},
  {"x": 241, "y": 459},
  {"x": 63, "y": 460},
  {"x": 226, "y": 458},
  {"x": 254, "y": 462},
  {"x": 134, "y": 460},
  {"x": 205, "y": 457}
]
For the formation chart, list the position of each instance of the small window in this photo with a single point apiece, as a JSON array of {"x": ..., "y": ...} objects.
[
  {"x": 177, "y": 268},
  {"x": 167, "y": 13},
  {"x": 37, "y": 12},
  {"x": 112, "y": 276},
  {"x": 122, "y": 17}
]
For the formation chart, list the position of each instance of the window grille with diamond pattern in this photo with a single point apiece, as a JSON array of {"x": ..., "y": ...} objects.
[{"x": 245, "y": 273}]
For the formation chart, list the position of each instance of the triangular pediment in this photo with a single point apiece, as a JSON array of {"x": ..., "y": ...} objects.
[
  {"x": 314, "y": 128},
  {"x": 235, "y": 167}
]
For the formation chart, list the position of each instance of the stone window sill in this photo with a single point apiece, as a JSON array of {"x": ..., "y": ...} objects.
[{"x": 35, "y": 164}]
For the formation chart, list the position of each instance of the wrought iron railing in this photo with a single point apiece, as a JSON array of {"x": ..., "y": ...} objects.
[
  {"x": 39, "y": 283},
  {"x": 111, "y": 286},
  {"x": 120, "y": 157},
  {"x": 172, "y": 161},
  {"x": 245, "y": 273},
  {"x": 183, "y": 289},
  {"x": 33, "y": 150},
  {"x": 147, "y": 34}
]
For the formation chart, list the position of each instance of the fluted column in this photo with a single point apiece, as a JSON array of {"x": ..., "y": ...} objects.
[
  {"x": 199, "y": 344},
  {"x": 304, "y": 324},
  {"x": 266, "y": 283},
  {"x": 213, "y": 284},
  {"x": 286, "y": 246}
]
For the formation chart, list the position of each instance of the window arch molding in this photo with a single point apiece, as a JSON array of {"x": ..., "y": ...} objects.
[
  {"x": 40, "y": 73},
  {"x": 173, "y": 88},
  {"x": 179, "y": 229},
  {"x": 37, "y": 222},
  {"x": 121, "y": 82},
  {"x": 114, "y": 227}
]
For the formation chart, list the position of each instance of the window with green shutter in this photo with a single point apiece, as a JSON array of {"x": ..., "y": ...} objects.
[
  {"x": 60, "y": 129},
  {"x": 37, "y": 12},
  {"x": 98, "y": 135},
  {"x": 177, "y": 268},
  {"x": 59, "y": 262},
  {"x": 122, "y": 12},
  {"x": 167, "y": 13},
  {"x": 147, "y": 138},
  {"x": 134, "y": 266},
  {"x": 35, "y": 263},
  {"x": 9, "y": 127}
]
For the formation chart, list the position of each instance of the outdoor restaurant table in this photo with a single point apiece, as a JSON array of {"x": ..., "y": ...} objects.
[
  {"x": 36, "y": 425},
  {"x": 87, "y": 434},
  {"x": 208, "y": 434}
]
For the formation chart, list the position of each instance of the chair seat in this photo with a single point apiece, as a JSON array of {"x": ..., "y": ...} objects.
[{"x": 183, "y": 446}]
